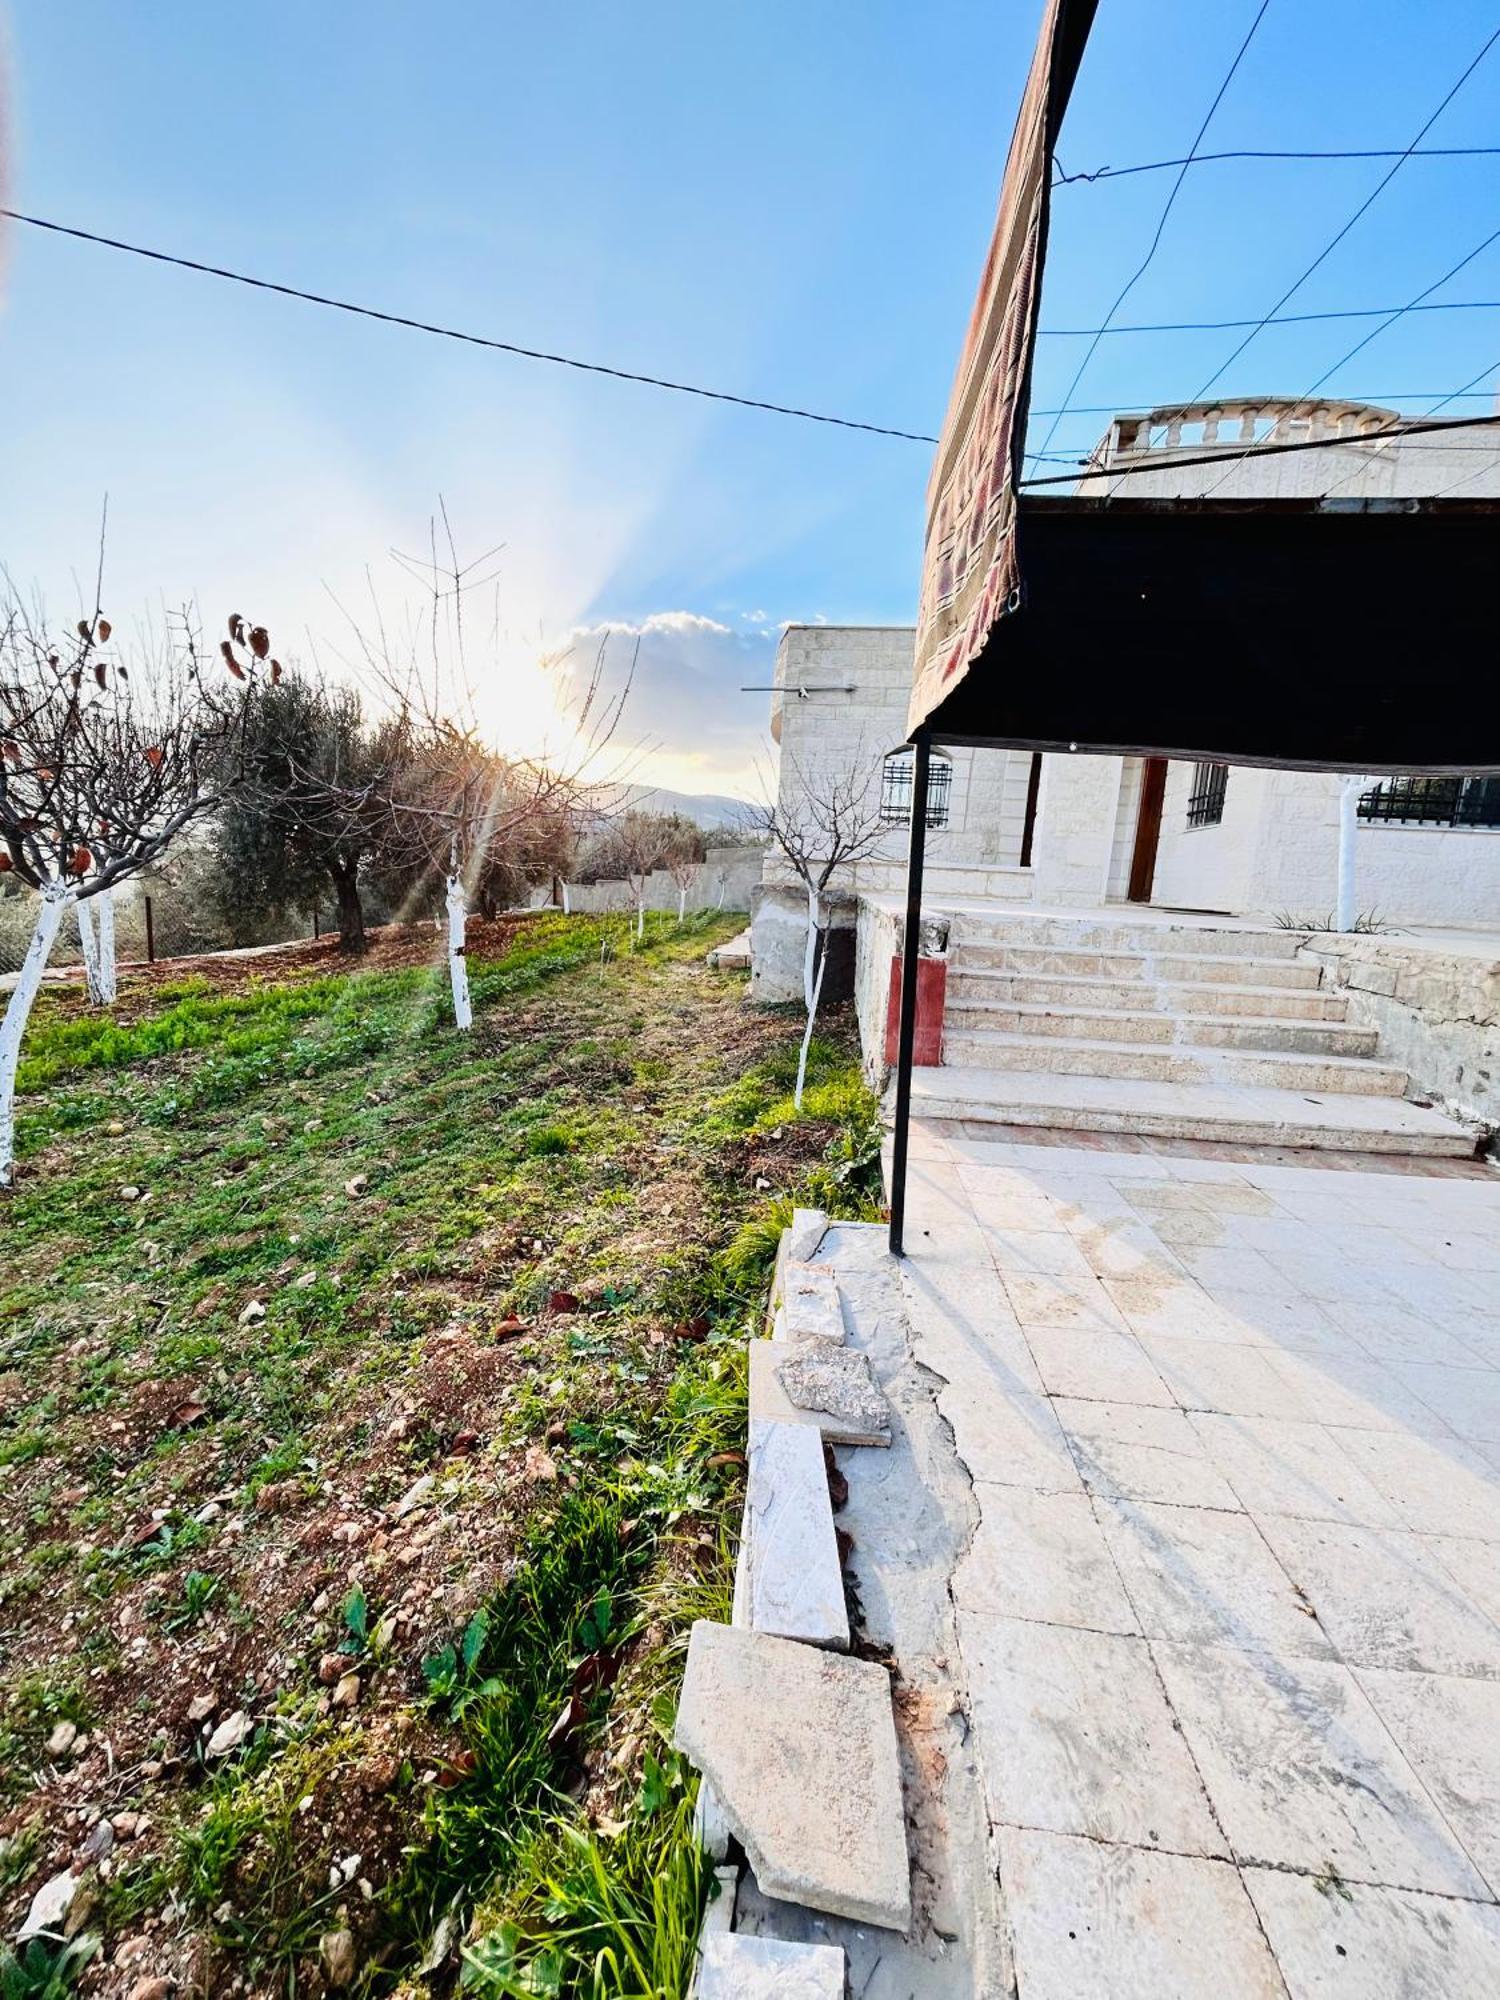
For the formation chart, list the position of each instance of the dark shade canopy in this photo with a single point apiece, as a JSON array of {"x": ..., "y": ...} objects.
[{"x": 1362, "y": 636}]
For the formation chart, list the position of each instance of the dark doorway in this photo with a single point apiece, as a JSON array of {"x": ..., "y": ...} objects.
[{"x": 1147, "y": 830}]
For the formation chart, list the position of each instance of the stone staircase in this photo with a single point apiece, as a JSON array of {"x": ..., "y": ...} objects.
[{"x": 1183, "y": 1030}]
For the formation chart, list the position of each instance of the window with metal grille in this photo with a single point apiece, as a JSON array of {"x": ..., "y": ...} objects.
[
  {"x": 1433, "y": 801},
  {"x": 895, "y": 789},
  {"x": 1206, "y": 799}
]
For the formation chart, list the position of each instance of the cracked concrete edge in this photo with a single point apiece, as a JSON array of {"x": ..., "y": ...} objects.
[
  {"x": 799, "y": 1242},
  {"x": 993, "y": 1942}
]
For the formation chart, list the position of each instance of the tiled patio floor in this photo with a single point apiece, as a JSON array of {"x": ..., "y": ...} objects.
[{"x": 1230, "y": 1617}]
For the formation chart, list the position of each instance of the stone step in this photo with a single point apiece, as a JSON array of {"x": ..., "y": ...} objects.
[
  {"x": 979, "y": 1049},
  {"x": 1338, "y": 1122},
  {"x": 1054, "y": 961},
  {"x": 979, "y": 985},
  {"x": 1157, "y": 1028},
  {"x": 1176, "y": 940}
]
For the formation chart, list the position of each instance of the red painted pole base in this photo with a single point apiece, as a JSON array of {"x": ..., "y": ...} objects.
[{"x": 932, "y": 988}]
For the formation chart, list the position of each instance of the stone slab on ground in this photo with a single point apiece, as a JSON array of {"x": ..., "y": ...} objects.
[
  {"x": 810, "y": 1303},
  {"x": 799, "y": 1242},
  {"x": 736, "y": 1967},
  {"x": 731, "y": 956},
  {"x": 794, "y": 1582},
  {"x": 861, "y": 1415},
  {"x": 800, "y": 1745}
]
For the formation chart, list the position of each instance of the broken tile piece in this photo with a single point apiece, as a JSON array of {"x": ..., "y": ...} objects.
[
  {"x": 799, "y": 1240},
  {"x": 810, "y": 1382},
  {"x": 794, "y": 1585},
  {"x": 800, "y": 1746},
  {"x": 737, "y": 1966},
  {"x": 810, "y": 1304}
]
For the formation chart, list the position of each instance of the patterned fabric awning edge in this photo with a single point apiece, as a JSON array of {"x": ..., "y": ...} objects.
[{"x": 971, "y": 571}]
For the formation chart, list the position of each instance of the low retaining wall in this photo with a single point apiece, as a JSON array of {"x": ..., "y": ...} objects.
[
  {"x": 1436, "y": 1006},
  {"x": 878, "y": 932},
  {"x": 722, "y": 882}
]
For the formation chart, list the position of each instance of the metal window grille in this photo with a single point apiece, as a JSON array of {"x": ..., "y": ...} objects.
[
  {"x": 895, "y": 789},
  {"x": 1434, "y": 801},
  {"x": 1206, "y": 800}
]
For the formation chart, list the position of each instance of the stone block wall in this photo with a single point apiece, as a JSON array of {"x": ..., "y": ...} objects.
[
  {"x": 1437, "y": 1011},
  {"x": 725, "y": 880}
]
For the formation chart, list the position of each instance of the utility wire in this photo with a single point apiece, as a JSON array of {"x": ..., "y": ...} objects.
[
  {"x": 1369, "y": 201},
  {"x": 1231, "y": 325},
  {"x": 469, "y": 339},
  {"x": 1161, "y": 224},
  {"x": 1468, "y": 389},
  {"x": 1402, "y": 429},
  {"x": 1359, "y": 347},
  {"x": 1207, "y": 159}
]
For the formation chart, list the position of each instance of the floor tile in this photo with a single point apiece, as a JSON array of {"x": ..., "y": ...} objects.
[
  {"x": 1092, "y": 1362},
  {"x": 1467, "y": 1399},
  {"x": 1235, "y": 1381},
  {"x": 1041, "y": 1556},
  {"x": 1362, "y": 1395},
  {"x": 1383, "y": 1598},
  {"x": 1008, "y": 1438},
  {"x": 1302, "y": 1773},
  {"x": 1301, "y": 1326},
  {"x": 1438, "y": 1486},
  {"x": 1278, "y": 1467},
  {"x": 1095, "y": 1922},
  {"x": 1207, "y": 1578},
  {"x": 1053, "y": 1302},
  {"x": 1132, "y": 1451},
  {"x": 1075, "y": 1736},
  {"x": 1449, "y": 1730},
  {"x": 1395, "y": 1333},
  {"x": 1375, "y": 1944}
]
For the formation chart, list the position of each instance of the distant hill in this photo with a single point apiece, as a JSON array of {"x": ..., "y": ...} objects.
[{"x": 707, "y": 809}]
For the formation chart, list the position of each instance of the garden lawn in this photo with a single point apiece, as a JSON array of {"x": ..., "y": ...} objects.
[{"x": 371, "y": 1430}]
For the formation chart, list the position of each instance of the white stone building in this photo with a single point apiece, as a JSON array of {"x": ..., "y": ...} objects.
[{"x": 1057, "y": 832}]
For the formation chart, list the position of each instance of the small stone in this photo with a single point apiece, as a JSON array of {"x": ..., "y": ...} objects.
[
  {"x": 100, "y": 1842},
  {"x": 130, "y": 1194},
  {"x": 201, "y": 1707},
  {"x": 357, "y": 1185},
  {"x": 49, "y": 1905},
  {"x": 156, "y": 1986},
  {"x": 229, "y": 1735},
  {"x": 307, "y": 1278},
  {"x": 539, "y": 1465},
  {"x": 128, "y": 1824},
  {"x": 252, "y": 1314},
  {"x": 413, "y": 1497},
  {"x": 61, "y": 1741},
  {"x": 115, "y": 1129},
  {"x": 331, "y": 1668},
  {"x": 346, "y": 1694}
]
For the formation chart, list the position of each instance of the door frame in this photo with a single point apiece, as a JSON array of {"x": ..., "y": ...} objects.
[{"x": 1147, "y": 830}]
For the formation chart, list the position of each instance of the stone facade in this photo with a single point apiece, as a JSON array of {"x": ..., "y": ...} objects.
[{"x": 841, "y": 700}]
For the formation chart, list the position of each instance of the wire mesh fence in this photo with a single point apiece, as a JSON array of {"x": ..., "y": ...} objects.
[{"x": 149, "y": 926}]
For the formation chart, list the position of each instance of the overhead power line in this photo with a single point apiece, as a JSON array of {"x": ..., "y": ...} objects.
[
  {"x": 1285, "y": 319},
  {"x": 1262, "y": 153},
  {"x": 1397, "y": 430},
  {"x": 454, "y": 333},
  {"x": 1369, "y": 201},
  {"x": 1161, "y": 222}
]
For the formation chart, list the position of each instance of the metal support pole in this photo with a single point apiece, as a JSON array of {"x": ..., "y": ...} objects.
[
  {"x": 150, "y": 934},
  {"x": 907, "y": 1037},
  {"x": 1348, "y": 822}
]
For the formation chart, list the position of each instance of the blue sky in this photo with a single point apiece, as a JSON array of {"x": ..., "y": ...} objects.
[{"x": 785, "y": 200}]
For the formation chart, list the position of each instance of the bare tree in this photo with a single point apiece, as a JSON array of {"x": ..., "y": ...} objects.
[
  {"x": 103, "y": 762},
  {"x": 684, "y": 865},
  {"x": 826, "y": 817},
  {"x": 455, "y": 811}
]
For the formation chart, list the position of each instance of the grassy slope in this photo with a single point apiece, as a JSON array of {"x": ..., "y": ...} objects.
[{"x": 197, "y": 1501}]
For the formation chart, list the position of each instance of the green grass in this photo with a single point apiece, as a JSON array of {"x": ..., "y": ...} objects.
[{"x": 601, "y": 1132}]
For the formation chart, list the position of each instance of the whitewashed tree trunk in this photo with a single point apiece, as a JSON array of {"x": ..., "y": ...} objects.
[
  {"x": 640, "y": 915},
  {"x": 567, "y": 900},
  {"x": 809, "y": 955},
  {"x": 807, "y": 1033},
  {"x": 55, "y": 900},
  {"x": 458, "y": 967},
  {"x": 109, "y": 985},
  {"x": 681, "y": 905},
  {"x": 88, "y": 945}
]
